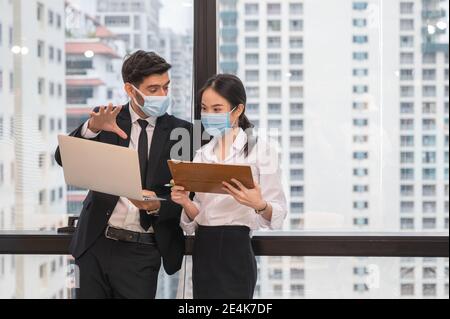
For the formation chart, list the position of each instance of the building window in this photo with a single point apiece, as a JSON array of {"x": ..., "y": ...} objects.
[
  {"x": 406, "y": 174},
  {"x": 359, "y": 23},
  {"x": 360, "y": 5},
  {"x": 274, "y": 58},
  {"x": 407, "y": 223},
  {"x": 40, "y": 11},
  {"x": 251, "y": 8},
  {"x": 406, "y": 7},
  {"x": 360, "y": 56},
  {"x": 360, "y": 39}
]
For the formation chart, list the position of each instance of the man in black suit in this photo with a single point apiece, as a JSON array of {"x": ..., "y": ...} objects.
[{"x": 118, "y": 243}]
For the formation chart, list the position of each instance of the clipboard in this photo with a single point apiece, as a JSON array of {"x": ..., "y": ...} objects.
[{"x": 207, "y": 177}]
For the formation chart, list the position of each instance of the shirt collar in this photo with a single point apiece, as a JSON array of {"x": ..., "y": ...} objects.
[
  {"x": 134, "y": 117},
  {"x": 238, "y": 145}
]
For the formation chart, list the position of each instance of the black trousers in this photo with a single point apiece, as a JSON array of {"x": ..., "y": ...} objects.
[
  {"x": 115, "y": 269},
  {"x": 223, "y": 263}
]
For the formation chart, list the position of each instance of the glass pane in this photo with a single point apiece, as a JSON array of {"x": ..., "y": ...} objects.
[
  {"x": 343, "y": 278},
  {"x": 57, "y": 62},
  {"x": 359, "y": 108}
]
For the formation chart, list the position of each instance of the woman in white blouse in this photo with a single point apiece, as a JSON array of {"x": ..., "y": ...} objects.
[{"x": 224, "y": 265}]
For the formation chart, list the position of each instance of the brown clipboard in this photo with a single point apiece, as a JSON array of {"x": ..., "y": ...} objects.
[{"x": 208, "y": 178}]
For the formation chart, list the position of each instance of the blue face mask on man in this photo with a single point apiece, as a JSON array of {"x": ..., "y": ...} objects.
[
  {"x": 217, "y": 124},
  {"x": 155, "y": 106}
]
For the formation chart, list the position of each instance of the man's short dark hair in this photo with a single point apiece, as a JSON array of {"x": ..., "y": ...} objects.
[{"x": 142, "y": 64}]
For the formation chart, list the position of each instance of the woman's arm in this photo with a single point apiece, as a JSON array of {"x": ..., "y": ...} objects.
[{"x": 181, "y": 197}]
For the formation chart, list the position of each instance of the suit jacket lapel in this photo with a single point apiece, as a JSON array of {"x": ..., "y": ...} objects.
[
  {"x": 124, "y": 122},
  {"x": 159, "y": 142}
]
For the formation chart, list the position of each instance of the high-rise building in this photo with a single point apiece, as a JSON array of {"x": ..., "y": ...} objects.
[
  {"x": 357, "y": 92},
  {"x": 93, "y": 62},
  {"x": 134, "y": 22},
  {"x": 33, "y": 113},
  {"x": 177, "y": 49}
]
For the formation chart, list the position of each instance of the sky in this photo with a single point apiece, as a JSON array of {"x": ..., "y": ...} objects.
[{"x": 177, "y": 15}]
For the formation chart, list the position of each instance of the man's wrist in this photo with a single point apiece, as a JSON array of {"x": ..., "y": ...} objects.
[{"x": 92, "y": 129}]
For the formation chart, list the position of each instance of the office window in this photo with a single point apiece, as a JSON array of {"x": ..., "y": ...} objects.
[
  {"x": 360, "y": 72},
  {"x": 274, "y": 108},
  {"x": 360, "y": 56},
  {"x": 296, "y": 125},
  {"x": 296, "y": 8},
  {"x": 406, "y": 74},
  {"x": 429, "y": 140},
  {"x": 407, "y": 223},
  {"x": 406, "y": 58},
  {"x": 274, "y": 58},
  {"x": 252, "y": 58},
  {"x": 296, "y": 75},
  {"x": 360, "y": 188},
  {"x": 251, "y": 8},
  {"x": 407, "y": 124},
  {"x": 429, "y": 74},
  {"x": 40, "y": 11},
  {"x": 407, "y": 190},
  {"x": 429, "y": 174},
  {"x": 407, "y": 174},
  {"x": 360, "y": 122},
  {"x": 359, "y": 23},
  {"x": 274, "y": 42},
  {"x": 406, "y": 41},
  {"x": 429, "y": 108},
  {"x": 429, "y": 157},
  {"x": 295, "y": 25},
  {"x": 406, "y": 7},
  {"x": 252, "y": 75},
  {"x": 296, "y": 42},
  {"x": 296, "y": 141},
  {"x": 429, "y": 124},
  {"x": 274, "y": 25},
  {"x": 41, "y": 86},
  {"x": 406, "y": 107},
  {"x": 50, "y": 17},
  {"x": 251, "y": 42},
  {"x": 360, "y": 6},
  {"x": 251, "y": 25},
  {"x": 360, "y": 155},
  {"x": 40, "y": 48},
  {"x": 273, "y": 8},
  {"x": 406, "y": 24},
  {"x": 360, "y": 39},
  {"x": 406, "y": 157},
  {"x": 360, "y": 172}
]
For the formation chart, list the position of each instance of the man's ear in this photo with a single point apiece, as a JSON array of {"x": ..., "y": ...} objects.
[{"x": 128, "y": 89}]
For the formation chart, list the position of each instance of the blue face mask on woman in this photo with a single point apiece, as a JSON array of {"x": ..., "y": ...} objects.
[
  {"x": 153, "y": 105},
  {"x": 217, "y": 124}
]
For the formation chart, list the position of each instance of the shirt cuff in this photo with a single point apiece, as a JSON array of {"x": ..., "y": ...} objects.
[
  {"x": 278, "y": 215},
  {"x": 86, "y": 132},
  {"x": 189, "y": 226}
]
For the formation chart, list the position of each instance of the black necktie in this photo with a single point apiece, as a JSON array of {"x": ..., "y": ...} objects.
[{"x": 145, "y": 219}]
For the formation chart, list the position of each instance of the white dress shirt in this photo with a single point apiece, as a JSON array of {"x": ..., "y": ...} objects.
[
  {"x": 219, "y": 210},
  {"x": 125, "y": 215}
]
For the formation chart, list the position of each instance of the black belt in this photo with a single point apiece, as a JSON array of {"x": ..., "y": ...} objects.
[{"x": 130, "y": 236}]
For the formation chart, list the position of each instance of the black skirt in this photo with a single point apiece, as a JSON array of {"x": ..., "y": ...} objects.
[{"x": 223, "y": 263}]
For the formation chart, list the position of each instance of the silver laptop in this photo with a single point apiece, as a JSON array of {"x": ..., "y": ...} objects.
[{"x": 101, "y": 167}]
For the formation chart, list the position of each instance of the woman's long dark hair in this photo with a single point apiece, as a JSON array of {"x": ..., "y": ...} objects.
[{"x": 231, "y": 88}]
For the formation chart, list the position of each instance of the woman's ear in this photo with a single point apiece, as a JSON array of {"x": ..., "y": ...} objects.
[{"x": 240, "y": 109}]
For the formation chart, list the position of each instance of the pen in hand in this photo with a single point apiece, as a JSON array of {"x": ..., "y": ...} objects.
[{"x": 171, "y": 184}]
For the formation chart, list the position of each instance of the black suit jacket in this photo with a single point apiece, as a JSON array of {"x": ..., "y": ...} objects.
[{"x": 98, "y": 207}]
